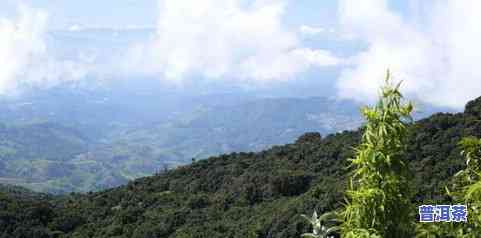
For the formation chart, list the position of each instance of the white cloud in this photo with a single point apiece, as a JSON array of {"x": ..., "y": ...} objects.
[
  {"x": 437, "y": 60},
  {"x": 20, "y": 40},
  {"x": 24, "y": 55},
  {"x": 311, "y": 31},
  {"x": 225, "y": 39}
]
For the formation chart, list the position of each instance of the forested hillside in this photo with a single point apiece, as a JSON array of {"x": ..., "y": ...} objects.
[{"x": 241, "y": 194}]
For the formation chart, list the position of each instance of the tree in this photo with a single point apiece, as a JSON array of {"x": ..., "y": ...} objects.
[{"x": 378, "y": 197}]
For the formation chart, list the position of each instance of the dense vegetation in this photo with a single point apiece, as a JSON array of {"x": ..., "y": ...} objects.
[
  {"x": 465, "y": 188},
  {"x": 242, "y": 194}
]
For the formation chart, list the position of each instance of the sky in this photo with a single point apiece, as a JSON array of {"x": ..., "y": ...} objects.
[
  {"x": 432, "y": 46},
  {"x": 144, "y": 13}
]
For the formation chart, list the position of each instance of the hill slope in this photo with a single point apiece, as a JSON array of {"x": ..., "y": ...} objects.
[{"x": 242, "y": 194}]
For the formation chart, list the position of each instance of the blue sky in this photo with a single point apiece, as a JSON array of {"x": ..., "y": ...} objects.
[
  {"x": 348, "y": 44},
  {"x": 121, "y": 13}
]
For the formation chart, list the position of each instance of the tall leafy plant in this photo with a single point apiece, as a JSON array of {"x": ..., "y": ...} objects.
[{"x": 378, "y": 196}]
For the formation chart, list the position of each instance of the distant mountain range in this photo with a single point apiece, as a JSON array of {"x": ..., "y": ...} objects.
[
  {"x": 75, "y": 138},
  {"x": 248, "y": 126}
]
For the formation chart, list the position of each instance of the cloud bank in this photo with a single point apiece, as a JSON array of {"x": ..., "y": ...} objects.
[
  {"x": 231, "y": 39},
  {"x": 21, "y": 40},
  {"x": 437, "y": 56},
  {"x": 433, "y": 49},
  {"x": 24, "y": 55}
]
